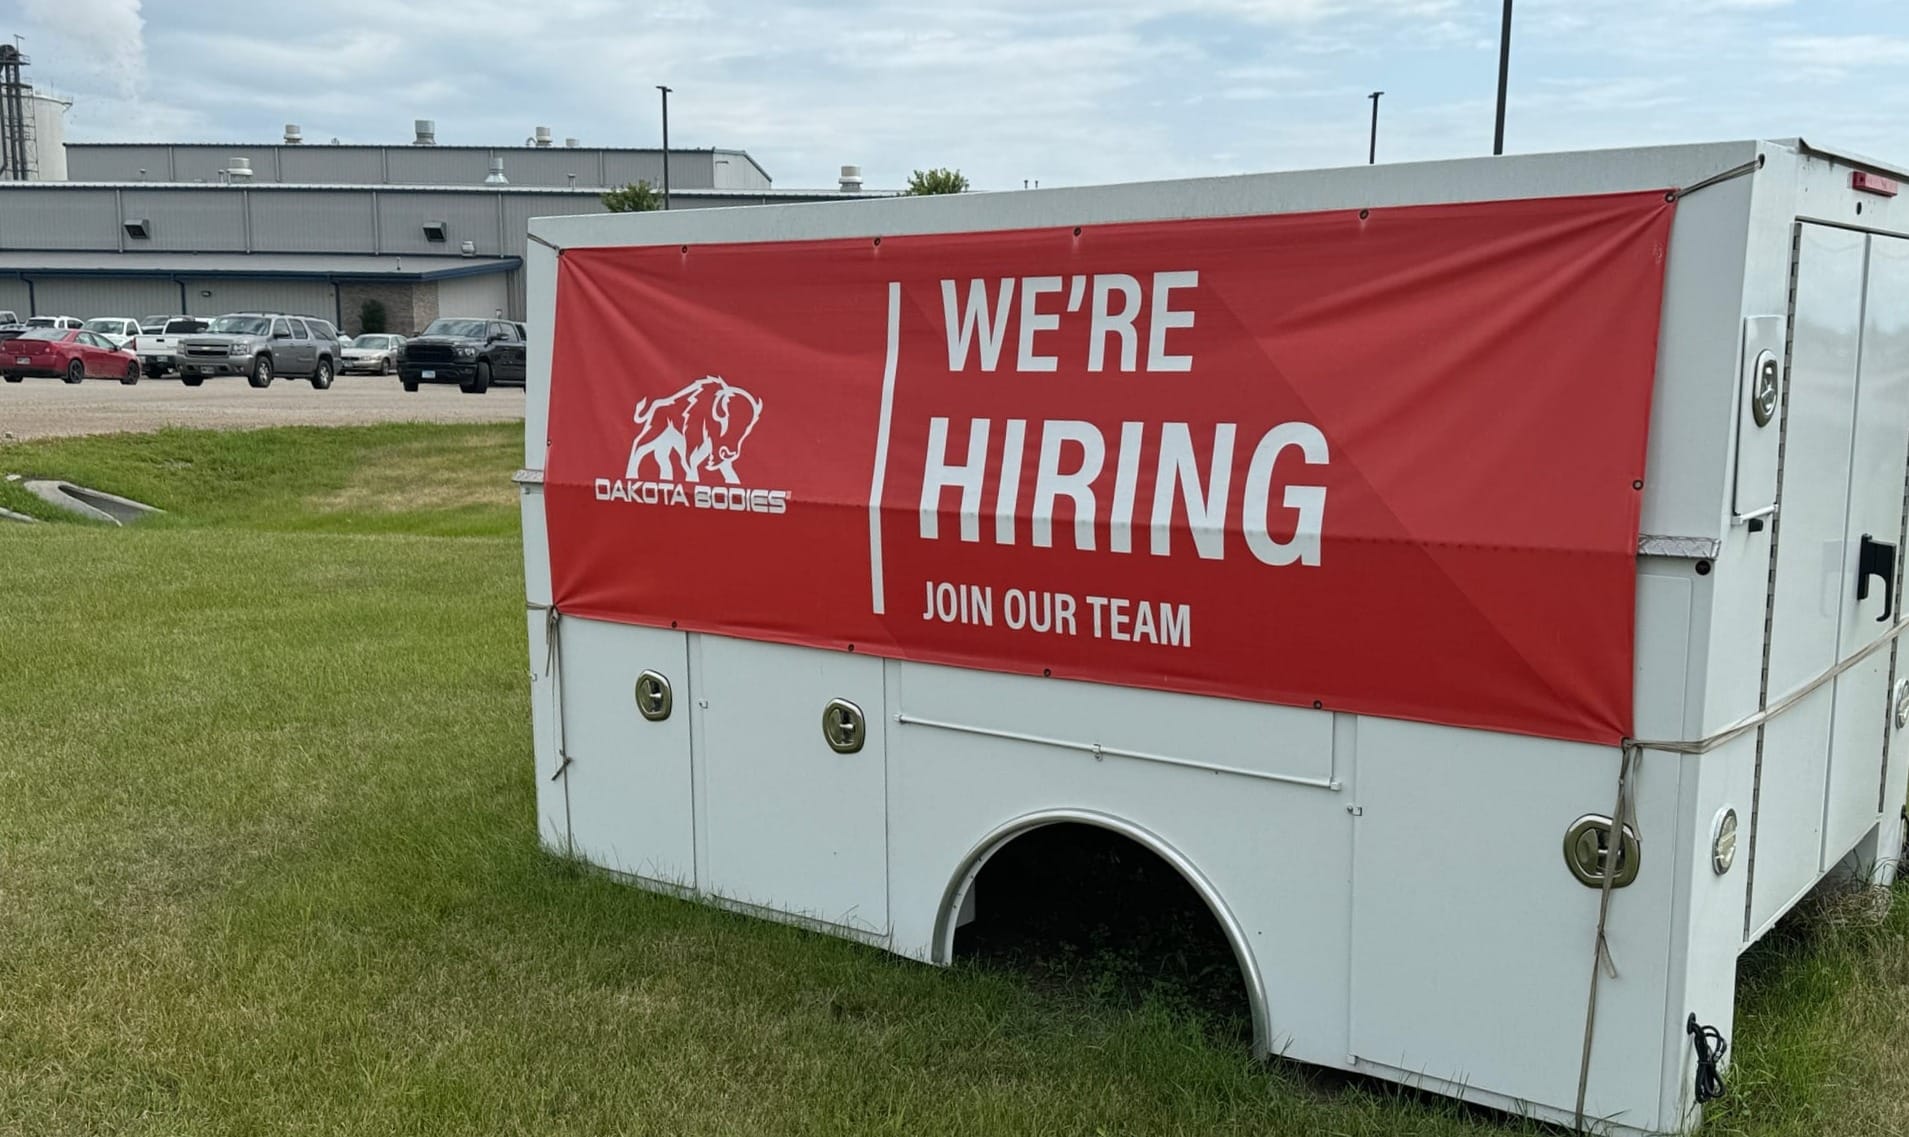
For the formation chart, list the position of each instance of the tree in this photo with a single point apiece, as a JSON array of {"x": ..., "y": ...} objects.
[
  {"x": 638, "y": 197},
  {"x": 923, "y": 182},
  {"x": 371, "y": 316}
]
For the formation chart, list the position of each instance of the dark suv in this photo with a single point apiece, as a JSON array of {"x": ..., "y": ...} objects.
[
  {"x": 260, "y": 346},
  {"x": 471, "y": 352}
]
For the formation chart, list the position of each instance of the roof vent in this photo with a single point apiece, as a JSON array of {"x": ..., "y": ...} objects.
[
  {"x": 293, "y": 135},
  {"x": 139, "y": 227},
  {"x": 496, "y": 176},
  {"x": 851, "y": 179},
  {"x": 467, "y": 248},
  {"x": 573, "y": 180},
  {"x": 542, "y": 135},
  {"x": 426, "y": 132},
  {"x": 571, "y": 143},
  {"x": 435, "y": 231},
  {"x": 240, "y": 170}
]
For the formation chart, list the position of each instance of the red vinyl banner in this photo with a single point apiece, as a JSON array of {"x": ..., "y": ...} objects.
[{"x": 1386, "y": 462}]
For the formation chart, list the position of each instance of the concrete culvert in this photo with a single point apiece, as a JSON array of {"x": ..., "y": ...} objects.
[
  {"x": 1084, "y": 911},
  {"x": 92, "y": 504}
]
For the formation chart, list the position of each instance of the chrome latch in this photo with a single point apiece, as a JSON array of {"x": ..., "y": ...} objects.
[
  {"x": 1587, "y": 852},
  {"x": 653, "y": 697},
  {"x": 843, "y": 726}
]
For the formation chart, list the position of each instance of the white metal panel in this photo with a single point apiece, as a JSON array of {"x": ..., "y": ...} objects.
[
  {"x": 1129, "y": 724},
  {"x": 1879, "y": 457},
  {"x": 790, "y": 824},
  {"x": 540, "y": 267},
  {"x": 628, "y": 782},
  {"x": 553, "y": 805},
  {"x": 1278, "y": 854},
  {"x": 1806, "y": 614},
  {"x": 1461, "y": 832}
]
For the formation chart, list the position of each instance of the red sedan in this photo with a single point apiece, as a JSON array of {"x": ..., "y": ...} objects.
[{"x": 66, "y": 353}]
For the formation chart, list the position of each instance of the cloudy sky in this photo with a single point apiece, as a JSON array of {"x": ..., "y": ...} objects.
[{"x": 1063, "y": 91}]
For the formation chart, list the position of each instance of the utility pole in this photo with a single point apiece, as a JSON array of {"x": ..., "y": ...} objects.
[
  {"x": 1504, "y": 79},
  {"x": 665, "y": 91},
  {"x": 1372, "y": 152}
]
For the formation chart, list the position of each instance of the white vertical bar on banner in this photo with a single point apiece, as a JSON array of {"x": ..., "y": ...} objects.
[{"x": 877, "y": 597}]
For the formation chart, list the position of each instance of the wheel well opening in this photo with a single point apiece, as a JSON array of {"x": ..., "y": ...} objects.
[{"x": 1082, "y": 912}]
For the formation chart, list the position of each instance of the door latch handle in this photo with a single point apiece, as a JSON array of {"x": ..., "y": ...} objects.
[{"x": 1877, "y": 558}]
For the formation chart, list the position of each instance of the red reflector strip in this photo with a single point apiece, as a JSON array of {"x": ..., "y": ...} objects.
[{"x": 1866, "y": 182}]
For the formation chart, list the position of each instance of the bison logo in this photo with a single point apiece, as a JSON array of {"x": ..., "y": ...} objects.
[{"x": 701, "y": 428}]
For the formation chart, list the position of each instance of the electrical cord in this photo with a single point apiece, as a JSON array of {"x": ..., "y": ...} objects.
[{"x": 1710, "y": 1051}]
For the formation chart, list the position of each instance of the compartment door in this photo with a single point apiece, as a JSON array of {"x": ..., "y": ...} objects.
[
  {"x": 1806, "y": 618},
  {"x": 790, "y": 824},
  {"x": 1879, "y": 458},
  {"x": 628, "y": 780}
]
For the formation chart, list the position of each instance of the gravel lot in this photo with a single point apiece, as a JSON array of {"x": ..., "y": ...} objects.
[{"x": 43, "y": 408}]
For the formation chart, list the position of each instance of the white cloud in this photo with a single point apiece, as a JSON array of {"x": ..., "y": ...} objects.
[{"x": 1066, "y": 91}]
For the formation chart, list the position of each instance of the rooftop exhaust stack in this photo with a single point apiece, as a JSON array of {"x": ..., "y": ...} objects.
[
  {"x": 293, "y": 135},
  {"x": 427, "y": 132},
  {"x": 851, "y": 179},
  {"x": 496, "y": 176},
  {"x": 542, "y": 135},
  {"x": 571, "y": 143}
]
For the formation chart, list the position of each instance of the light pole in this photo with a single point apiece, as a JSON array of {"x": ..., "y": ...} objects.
[
  {"x": 1372, "y": 152},
  {"x": 1504, "y": 78},
  {"x": 665, "y": 91}
]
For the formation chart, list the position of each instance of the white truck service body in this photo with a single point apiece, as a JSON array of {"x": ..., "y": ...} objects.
[{"x": 1360, "y": 541}]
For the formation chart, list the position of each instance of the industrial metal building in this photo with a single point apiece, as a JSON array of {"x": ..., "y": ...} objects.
[{"x": 425, "y": 230}]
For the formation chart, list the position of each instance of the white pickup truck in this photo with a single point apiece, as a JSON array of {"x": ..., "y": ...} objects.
[{"x": 158, "y": 342}]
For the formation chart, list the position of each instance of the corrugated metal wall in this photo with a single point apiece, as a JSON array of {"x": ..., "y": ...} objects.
[
  {"x": 330, "y": 165},
  {"x": 438, "y": 166},
  {"x": 203, "y": 163},
  {"x": 59, "y": 218},
  {"x": 118, "y": 163},
  {"x": 625, "y": 169},
  {"x": 296, "y": 221},
  {"x": 468, "y": 217},
  {"x": 240, "y": 294},
  {"x": 732, "y": 170},
  {"x": 320, "y": 164},
  {"x": 14, "y": 297},
  {"x": 199, "y": 221},
  {"x": 473, "y": 295},
  {"x": 90, "y": 296}
]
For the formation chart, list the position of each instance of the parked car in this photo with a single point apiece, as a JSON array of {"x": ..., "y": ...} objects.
[
  {"x": 65, "y": 353},
  {"x": 69, "y": 322},
  {"x": 325, "y": 330},
  {"x": 9, "y": 319},
  {"x": 473, "y": 353},
  {"x": 260, "y": 346},
  {"x": 373, "y": 354},
  {"x": 158, "y": 344},
  {"x": 122, "y": 330}
]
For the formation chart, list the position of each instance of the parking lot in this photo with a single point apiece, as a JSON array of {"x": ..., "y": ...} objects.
[{"x": 47, "y": 408}]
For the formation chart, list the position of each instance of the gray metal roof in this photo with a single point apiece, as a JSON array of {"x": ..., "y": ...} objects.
[
  {"x": 282, "y": 145},
  {"x": 405, "y": 187},
  {"x": 327, "y": 266}
]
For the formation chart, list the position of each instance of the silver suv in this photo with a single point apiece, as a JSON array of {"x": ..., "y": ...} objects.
[{"x": 260, "y": 346}]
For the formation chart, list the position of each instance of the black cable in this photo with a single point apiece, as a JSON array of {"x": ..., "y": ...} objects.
[{"x": 1710, "y": 1051}]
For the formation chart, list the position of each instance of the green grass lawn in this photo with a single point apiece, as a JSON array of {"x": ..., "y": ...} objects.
[{"x": 268, "y": 865}]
